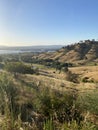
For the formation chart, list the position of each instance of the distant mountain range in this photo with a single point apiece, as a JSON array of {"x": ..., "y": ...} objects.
[{"x": 81, "y": 52}]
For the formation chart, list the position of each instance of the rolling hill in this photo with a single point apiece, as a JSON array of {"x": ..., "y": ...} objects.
[{"x": 81, "y": 52}]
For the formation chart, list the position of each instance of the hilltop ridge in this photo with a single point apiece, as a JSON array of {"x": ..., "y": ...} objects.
[{"x": 81, "y": 52}]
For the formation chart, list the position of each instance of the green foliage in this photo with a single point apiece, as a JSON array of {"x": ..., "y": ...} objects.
[
  {"x": 48, "y": 125},
  {"x": 86, "y": 79},
  {"x": 52, "y": 63},
  {"x": 1, "y": 66},
  {"x": 89, "y": 101},
  {"x": 26, "y": 58},
  {"x": 61, "y": 111},
  {"x": 1, "y": 59},
  {"x": 8, "y": 93},
  {"x": 59, "y": 107},
  {"x": 18, "y": 67},
  {"x": 82, "y": 126}
]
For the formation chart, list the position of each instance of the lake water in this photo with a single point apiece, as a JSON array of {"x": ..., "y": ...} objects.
[{"x": 11, "y": 51}]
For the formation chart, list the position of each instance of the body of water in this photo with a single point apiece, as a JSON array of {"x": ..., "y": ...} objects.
[{"x": 11, "y": 51}]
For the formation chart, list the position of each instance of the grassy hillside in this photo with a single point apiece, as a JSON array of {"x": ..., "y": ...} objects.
[
  {"x": 79, "y": 53},
  {"x": 43, "y": 93},
  {"x": 48, "y": 100}
]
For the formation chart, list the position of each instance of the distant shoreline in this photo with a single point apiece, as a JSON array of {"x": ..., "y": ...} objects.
[
  {"x": 33, "y": 49},
  {"x": 2, "y": 52},
  {"x": 11, "y": 51}
]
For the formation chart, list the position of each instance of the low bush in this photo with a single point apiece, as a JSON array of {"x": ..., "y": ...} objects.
[
  {"x": 72, "y": 77},
  {"x": 44, "y": 109},
  {"x": 18, "y": 67},
  {"x": 88, "y": 80}
]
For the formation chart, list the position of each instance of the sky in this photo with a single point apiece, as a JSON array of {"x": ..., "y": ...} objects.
[{"x": 47, "y": 22}]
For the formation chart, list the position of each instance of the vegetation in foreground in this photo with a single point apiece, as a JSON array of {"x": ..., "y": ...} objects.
[
  {"x": 30, "y": 104},
  {"x": 30, "y": 107}
]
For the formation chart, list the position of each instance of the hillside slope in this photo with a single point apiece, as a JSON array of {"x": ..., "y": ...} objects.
[{"x": 81, "y": 52}]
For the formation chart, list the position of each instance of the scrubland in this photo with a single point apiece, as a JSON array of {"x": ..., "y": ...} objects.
[{"x": 49, "y": 99}]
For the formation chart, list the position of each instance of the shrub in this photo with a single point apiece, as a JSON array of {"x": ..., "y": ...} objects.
[
  {"x": 72, "y": 77},
  {"x": 86, "y": 79},
  {"x": 60, "y": 107},
  {"x": 89, "y": 102},
  {"x": 8, "y": 94},
  {"x": 18, "y": 67}
]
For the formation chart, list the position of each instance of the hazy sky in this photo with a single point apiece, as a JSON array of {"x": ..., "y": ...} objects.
[{"x": 43, "y": 22}]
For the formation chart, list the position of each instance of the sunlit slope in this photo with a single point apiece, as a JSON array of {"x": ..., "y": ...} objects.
[{"x": 81, "y": 52}]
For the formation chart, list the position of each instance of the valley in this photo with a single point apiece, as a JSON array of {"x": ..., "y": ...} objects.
[{"x": 46, "y": 94}]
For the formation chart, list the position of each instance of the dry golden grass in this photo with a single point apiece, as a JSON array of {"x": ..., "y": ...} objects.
[
  {"x": 78, "y": 53},
  {"x": 87, "y": 71},
  {"x": 54, "y": 80}
]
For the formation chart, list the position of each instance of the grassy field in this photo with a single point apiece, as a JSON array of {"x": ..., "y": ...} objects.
[{"x": 49, "y": 100}]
